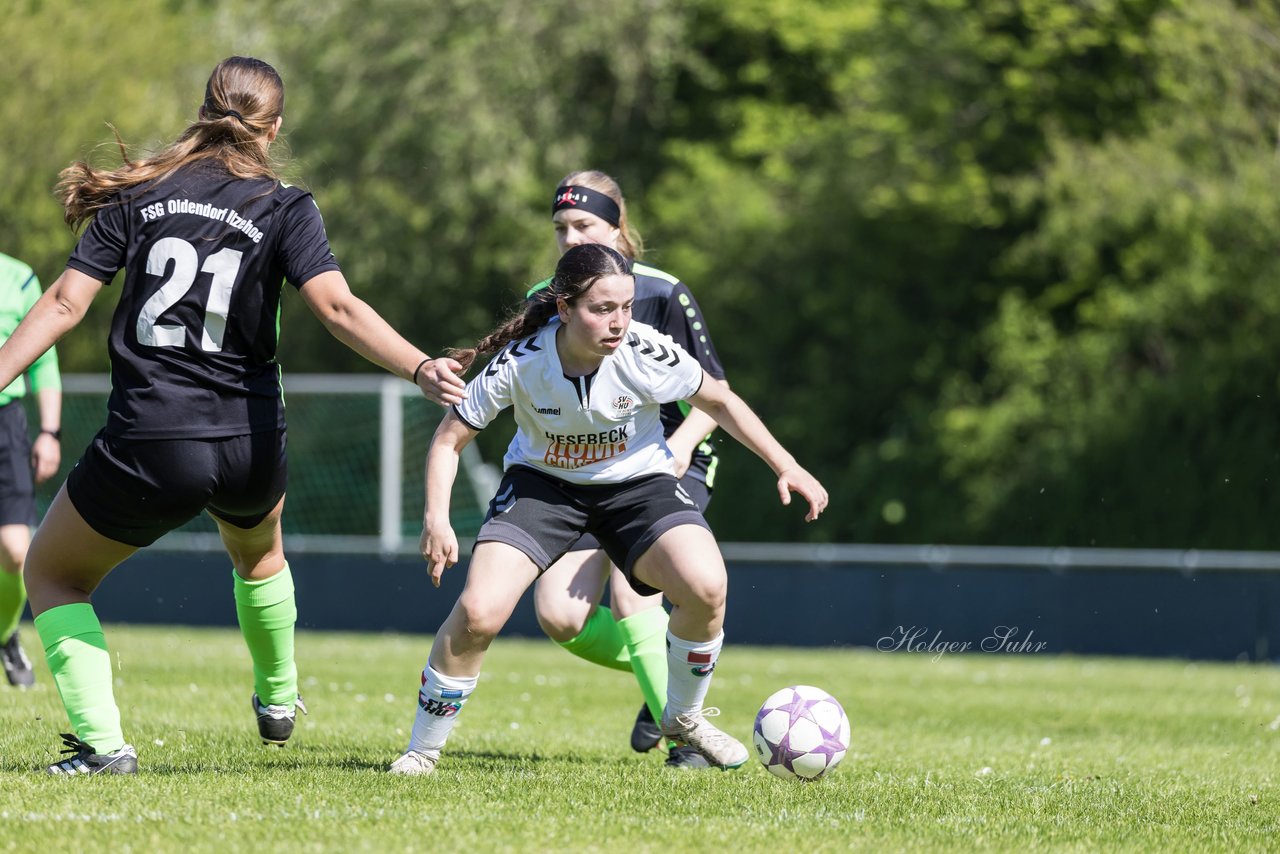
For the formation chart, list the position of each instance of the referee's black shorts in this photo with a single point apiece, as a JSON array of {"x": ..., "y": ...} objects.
[
  {"x": 17, "y": 484},
  {"x": 135, "y": 491},
  {"x": 544, "y": 516}
]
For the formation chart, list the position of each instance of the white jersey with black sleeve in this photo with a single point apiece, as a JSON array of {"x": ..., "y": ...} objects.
[{"x": 602, "y": 428}]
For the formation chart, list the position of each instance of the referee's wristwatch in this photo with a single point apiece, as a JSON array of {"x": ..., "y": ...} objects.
[{"x": 56, "y": 434}]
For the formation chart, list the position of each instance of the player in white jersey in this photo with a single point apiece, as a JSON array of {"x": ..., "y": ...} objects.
[
  {"x": 629, "y": 633},
  {"x": 588, "y": 457}
]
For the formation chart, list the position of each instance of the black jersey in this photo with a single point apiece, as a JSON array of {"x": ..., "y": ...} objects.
[
  {"x": 193, "y": 339},
  {"x": 666, "y": 303}
]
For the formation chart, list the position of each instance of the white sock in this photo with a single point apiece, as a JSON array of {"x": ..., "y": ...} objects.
[
  {"x": 689, "y": 666},
  {"x": 439, "y": 703}
]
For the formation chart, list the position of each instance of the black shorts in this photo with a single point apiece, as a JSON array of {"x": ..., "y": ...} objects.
[
  {"x": 135, "y": 491},
  {"x": 17, "y": 485},
  {"x": 543, "y": 516},
  {"x": 695, "y": 488}
]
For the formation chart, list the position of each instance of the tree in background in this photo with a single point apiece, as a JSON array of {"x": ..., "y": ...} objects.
[
  {"x": 66, "y": 76},
  {"x": 1002, "y": 270},
  {"x": 1131, "y": 399},
  {"x": 849, "y": 199}
]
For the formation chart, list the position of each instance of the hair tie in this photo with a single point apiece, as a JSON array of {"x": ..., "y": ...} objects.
[{"x": 216, "y": 113}]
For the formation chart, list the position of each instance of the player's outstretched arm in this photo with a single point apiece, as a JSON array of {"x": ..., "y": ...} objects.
[
  {"x": 439, "y": 544},
  {"x": 353, "y": 322},
  {"x": 733, "y": 414},
  {"x": 55, "y": 314}
]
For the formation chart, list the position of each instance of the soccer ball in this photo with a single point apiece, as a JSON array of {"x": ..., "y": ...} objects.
[{"x": 801, "y": 733}]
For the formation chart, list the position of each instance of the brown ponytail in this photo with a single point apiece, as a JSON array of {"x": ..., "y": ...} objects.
[{"x": 242, "y": 101}]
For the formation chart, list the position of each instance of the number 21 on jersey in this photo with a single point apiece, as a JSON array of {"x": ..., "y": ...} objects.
[{"x": 223, "y": 265}]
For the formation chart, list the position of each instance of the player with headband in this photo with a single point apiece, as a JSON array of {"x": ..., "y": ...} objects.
[
  {"x": 586, "y": 385},
  {"x": 629, "y": 635}
]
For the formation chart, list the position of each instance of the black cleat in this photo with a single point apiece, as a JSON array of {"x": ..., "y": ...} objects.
[
  {"x": 686, "y": 758},
  {"x": 645, "y": 735},
  {"x": 17, "y": 667},
  {"x": 275, "y": 723},
  {"x": 84, "y": 760}
]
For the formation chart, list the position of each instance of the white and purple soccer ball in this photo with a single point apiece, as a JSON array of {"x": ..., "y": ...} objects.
[{"x": 801, "y": 733}]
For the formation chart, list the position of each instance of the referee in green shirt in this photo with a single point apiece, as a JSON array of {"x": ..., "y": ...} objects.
[{"x": 23, "y": 463}]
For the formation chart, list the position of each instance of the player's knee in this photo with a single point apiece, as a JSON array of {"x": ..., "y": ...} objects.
[
  {"x": 704, "y": 590},
  {"x": 561, "y": 616},
  {"x": 481, "y": 619},
  {"x": 558, "y": 624}
]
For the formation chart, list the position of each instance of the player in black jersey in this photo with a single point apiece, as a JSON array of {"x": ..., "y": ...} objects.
[
  {"x": 207, "y": 235},
  {"x": 588, "y": 207},
  {"x": 586, "y": 384}
]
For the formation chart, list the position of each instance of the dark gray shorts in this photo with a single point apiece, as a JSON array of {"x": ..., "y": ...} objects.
[
  {"x": 694, "y": 487},
  {"x": 17, "y": 483},
  {"x": 135, "y": 491},
  {"x": 544, "y": 516}
]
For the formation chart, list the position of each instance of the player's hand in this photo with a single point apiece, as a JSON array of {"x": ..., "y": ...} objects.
[
  {"x": 683, "y": 458},
  {"x": 802, "y": 483},
  {"x": 439, "y": 381},
  {"x": 439, "y": 547},
  {"x": 46, "y": 456}
]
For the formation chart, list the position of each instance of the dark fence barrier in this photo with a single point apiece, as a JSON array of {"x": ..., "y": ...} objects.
[{"x": 921, "y": 599}]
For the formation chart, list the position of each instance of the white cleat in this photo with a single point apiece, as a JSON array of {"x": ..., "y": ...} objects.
[
  {"x": 716, "y": 746},
  {"x": 414, "y": 763}
]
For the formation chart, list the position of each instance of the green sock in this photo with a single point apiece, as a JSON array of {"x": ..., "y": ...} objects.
[
  {"x": 81, "y": 666},
  {"x": 267, "y": 613},
  {"x": 645, "y": 635},
  {"x": 13, "y": 598},
  {"x": 600, "y": 642}
]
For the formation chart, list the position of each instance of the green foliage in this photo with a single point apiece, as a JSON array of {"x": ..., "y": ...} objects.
[
  {"x": 435, "y": 163},
  {"x": 1133, "y": 400},
  {"x": 998, "y": 272},
  {"x": 68, "y": 77}
]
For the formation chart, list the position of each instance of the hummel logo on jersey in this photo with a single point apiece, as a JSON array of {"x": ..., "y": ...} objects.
[
  {"x": 658, "y": 352},
  {"x": 516, "y": 350},
  {"x": 547, "y": 410}
]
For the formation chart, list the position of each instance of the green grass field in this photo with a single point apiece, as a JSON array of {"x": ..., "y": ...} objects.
[{"x": 959, "y": 753}]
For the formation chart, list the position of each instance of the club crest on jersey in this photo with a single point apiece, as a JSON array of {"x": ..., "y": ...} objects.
[{"x": 623, "y": 404}]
